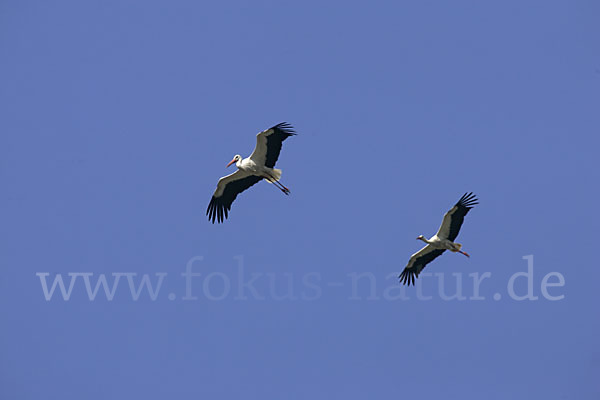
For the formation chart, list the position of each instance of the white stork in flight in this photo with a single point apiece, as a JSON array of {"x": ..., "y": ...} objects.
[
  {"x": 443, "y": 240},
  {"x": 260, "y": 165}
]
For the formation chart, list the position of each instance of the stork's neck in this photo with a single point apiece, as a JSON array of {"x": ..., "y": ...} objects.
[
  {"x": 425, "y": 240},
  {"x": 238, "y": 163}
]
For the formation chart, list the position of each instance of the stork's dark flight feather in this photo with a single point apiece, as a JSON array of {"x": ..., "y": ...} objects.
[
  {"x": 218, "y": 208},
  {"x": 466, "y": 202},
  {"x": 410, "y": 274},
  {"x": 281, "y": 132}
]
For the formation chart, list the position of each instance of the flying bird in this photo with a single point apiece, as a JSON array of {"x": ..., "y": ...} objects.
[
  {"x": 260, "y": 165},
  {"x": 443, "y": 240}
]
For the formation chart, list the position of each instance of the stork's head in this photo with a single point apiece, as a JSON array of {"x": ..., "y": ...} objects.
[
  {"x": 420, "y": 237},
  {"x": 236, "y": 159}
]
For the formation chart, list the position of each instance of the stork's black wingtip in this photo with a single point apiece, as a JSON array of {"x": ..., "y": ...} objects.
[
  {"x": 285, "y": 127},
  {"x": 468, "y": 200}
]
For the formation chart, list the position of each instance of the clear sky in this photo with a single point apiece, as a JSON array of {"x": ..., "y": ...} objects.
[{"x": 118, "y": 117}]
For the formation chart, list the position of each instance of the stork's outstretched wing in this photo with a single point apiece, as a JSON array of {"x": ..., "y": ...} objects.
[
  {"x": 454, "y": 218},
  {"x": 268, "y": 144},
  {"x": 227, "y": 190},
  {"x": 417, "y": 262}
]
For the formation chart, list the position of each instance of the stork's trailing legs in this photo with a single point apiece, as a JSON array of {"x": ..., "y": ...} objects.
[
  {"x": 279, "y": 185},
  {"x": 283, "y": 188},
  {"x": 456, "y": 248}
]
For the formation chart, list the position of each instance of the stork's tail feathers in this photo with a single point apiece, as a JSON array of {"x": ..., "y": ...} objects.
[
  {"x": 274, "y": 173},
  {"x": 458, "y": 247}
]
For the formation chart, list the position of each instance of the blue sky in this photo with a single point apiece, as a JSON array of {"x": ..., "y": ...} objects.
[{"x": 118, "y": 118}]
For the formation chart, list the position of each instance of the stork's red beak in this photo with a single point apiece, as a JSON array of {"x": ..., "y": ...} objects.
[{"x": 231, "y": 162}]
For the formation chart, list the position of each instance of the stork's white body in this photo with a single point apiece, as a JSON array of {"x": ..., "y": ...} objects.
[
  {"x": 433, "y": 243},
  {"x": 440, "y": 243},
  {"x": 250, "y": 166},
  {"x": 247, "y": 167}
]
